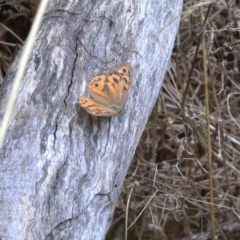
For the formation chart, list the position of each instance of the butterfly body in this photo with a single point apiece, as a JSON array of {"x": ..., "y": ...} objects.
[{"x": 108, "y": 92}]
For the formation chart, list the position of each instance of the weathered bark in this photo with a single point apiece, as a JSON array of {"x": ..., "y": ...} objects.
[{"x": 62, "y": 170}]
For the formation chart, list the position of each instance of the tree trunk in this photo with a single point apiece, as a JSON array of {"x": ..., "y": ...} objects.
[{"x": 61, "y": 169}]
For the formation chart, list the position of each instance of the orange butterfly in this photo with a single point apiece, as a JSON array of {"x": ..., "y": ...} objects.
[{"x": 109, "y": 92}]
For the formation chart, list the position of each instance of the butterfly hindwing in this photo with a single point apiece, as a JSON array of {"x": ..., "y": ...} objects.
[{"x": 96, "y": 108}]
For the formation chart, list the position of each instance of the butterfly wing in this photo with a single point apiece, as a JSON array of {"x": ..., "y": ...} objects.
[
  {"x": 111, "y": 89},
  {"x": 109, "y": 92},
  {"x": 96, "y": 108},
  {"x": 124, "y": 71},
  {"x": 99, "y": 90}
]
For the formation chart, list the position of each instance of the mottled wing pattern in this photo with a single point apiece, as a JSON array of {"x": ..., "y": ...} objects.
[
  {"x": 98, "y": 89},
  {"x": 124, "y": 71},
  {"x": 111, "y": 89},
  {"x": 96, "y": 108},
  {"x": 109, "y": 92}
]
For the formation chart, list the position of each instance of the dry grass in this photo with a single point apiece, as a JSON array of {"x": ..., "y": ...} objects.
[{"x": 173, "y": 179}]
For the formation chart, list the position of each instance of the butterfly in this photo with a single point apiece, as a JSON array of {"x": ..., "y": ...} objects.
[{"x": 108, "y": 92}]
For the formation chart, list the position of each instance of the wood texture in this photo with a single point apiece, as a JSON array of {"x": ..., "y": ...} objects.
[{"x": 62, "y": 170}]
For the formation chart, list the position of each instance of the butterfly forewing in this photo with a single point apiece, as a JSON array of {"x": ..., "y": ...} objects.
[
  {"x": 98, "y": 90},
  {"x": 113, "y": 86},
  {"x": 124, "y": 71}
]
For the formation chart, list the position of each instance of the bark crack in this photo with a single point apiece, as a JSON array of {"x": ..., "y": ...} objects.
[
  {"x": 74, "y": 63},
  {"x": 72, "y": 74},
  {"x": 55, "y": 135},
  {"x": 66, "y": 224}
]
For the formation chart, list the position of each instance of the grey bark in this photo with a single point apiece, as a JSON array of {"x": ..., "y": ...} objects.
[{"x": 62, "y": 170}]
